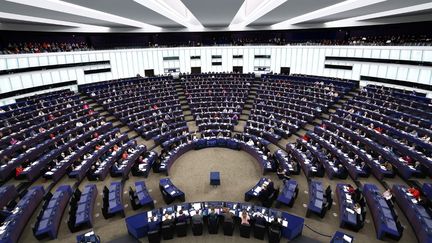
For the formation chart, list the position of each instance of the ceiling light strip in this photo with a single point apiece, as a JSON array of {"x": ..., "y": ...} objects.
[
  {"x": 174, "y": 10},
  {"x": 69, "y": 8},
  {"x": 327, "y": 11},
  {"x": 27, "y": 18},
  {"x": 252, "y": 10},
  {"x": 356, "y": 20}
]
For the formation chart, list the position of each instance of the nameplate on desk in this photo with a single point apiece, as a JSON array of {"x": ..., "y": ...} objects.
[
  {"x": 347, "y": 238},
  {"x": 349, "y": 210},
  {"x": 257, "y": 190}
]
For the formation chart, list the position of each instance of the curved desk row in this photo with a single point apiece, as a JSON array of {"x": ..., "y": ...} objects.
[
  {"x": 7, "y": 194},
  {"x": 317, "y": 199},
  {"x": 348, "y": 217},
  {"x": 15, "y": 223},
  {"x": 261, "y": 190},
  {"x": 169, "y": 191},
  {"x": 82, "y": 216},
  {"x": 224, "y": 142},
  {"x": 419, "y": 218},
  {"x": 138, "y": 225},
  {"x": 383, "y": 214},
  {"x": 113, "y": 200},
  {"x": 288, "y": 194},
  {"x": 49, "y": 218},
  {"x": 140, "y": 197}
]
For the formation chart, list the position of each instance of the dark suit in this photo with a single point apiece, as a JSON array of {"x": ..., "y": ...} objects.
[
  {"x": 197, "y": 219},
  {"x": 260, "y": 220},
  {"x": 228, "y": 217}
]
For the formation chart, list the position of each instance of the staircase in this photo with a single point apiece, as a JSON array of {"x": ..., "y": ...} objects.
[
  {"x": 192, "y": 126},
  {"x": 124, "y": 128},
  {"x": 244, "y": 116}
]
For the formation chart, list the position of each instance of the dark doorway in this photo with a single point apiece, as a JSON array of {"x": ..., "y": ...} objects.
[
  {"x": 238, "y": 69},
  {"x": 195, "y": 70},
  {"x": 285, "y": 70},
  {"x": 149, "y": 72}
]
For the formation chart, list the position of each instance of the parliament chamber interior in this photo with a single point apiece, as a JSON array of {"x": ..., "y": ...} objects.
[{"x": 215, "y": 121}]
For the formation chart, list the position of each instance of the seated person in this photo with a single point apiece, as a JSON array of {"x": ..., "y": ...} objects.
[
  {"x": 212, "y": 217},
  {"x": 414, "y": 192},
  {"x": 350, "y": 189},
  {"x": 282, "y": 173},
  {"x": 357, "y": 208},
  {"x": 388, "y": 166},
  {"x": 259, "y": 219},
  {"x": 276, "y": 223},
  {"x": 244, "y": 218},
  {"x": 227, "y": 215},
  {"x": 360, "y": 215},
  {"x": 168, "y": 219},
  {"x": 266, "y": 192},
  {"x": 153, "y": 225},
  {"x": 182, "y": 217},
  {"x": 387, "y": 195},
  {"x": 197, "y": 218},
  {"x": 357, "y": 195}
]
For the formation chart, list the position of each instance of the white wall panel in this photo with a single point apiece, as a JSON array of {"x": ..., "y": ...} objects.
[
  {"x": 367, "y": 53},
  {"x": 37, "y": 79},
  {"x": 52, "y": 60},
  {"x": 405, "y": 55},
  {"x": 416, "y": 55},
  {"x": 135, "y": 62},
  {"x": 413, "y": 74},
  {"x": 402, "y": 73},
  {"x": 12, "y": 63},
  {"x": 5, "y": 85},
  {"x": 27, "y": 81},
  {"x": 392, "y": 72},
  {"x": 61, "y": 59},
  {"x": 385, "y": 54},
  {"x": 15, "y": 82},
  {"x": 301, "y": 59},
  {"x": 425, "y": 76},
  {"x": 3, "y": 64},
  {"x": 427, "y": 56},
  {"x": 373, "y": 70},
  {"x": 23, "y": 62},
  {"x": 358, "y": 52},
  {"x": 382, "y": 71},
  {"x": 394, "y": 54},
  {"x": 56, "y": 77},
  {"x": 376, "y": 53}
]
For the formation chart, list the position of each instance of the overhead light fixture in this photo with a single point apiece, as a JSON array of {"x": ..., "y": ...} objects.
[
  {"x": 174, "y": 10},
  {"x": 70, "y": 8},
  {"x": 356, "y": 20},
  {"x": 327, "y": 11},
  {"x": 84, "y": 27},
  {"x": 252, "y": 10}
]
